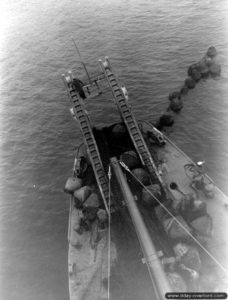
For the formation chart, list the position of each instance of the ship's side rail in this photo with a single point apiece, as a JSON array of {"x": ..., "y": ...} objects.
[
  {"x": 89, "y": 140},
  {"x": 129, "y": 120}
]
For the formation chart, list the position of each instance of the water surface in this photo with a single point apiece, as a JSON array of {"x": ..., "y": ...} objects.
[{"x": 150, "y": 44}]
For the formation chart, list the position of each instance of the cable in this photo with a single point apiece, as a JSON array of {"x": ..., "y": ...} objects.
[{"x": 109, "y": 228}]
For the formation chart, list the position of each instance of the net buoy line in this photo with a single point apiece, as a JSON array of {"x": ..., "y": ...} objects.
[
  {"x": 207, "y": 67},
  {"x": 174, "y": 218}
]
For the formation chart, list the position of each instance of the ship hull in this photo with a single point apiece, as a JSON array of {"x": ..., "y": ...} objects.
[{"x": 112, "y": 267}]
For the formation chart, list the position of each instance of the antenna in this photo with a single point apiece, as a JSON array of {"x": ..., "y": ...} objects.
[{"x": 81, "y": 61}]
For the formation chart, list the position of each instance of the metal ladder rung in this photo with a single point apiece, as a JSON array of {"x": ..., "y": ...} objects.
[
  {"x": 129, "y": 120},
  {"x": 80, "y": 113},
  {"x": 84, "y": 124},
  {"x": 134, "y": 131},
  {"x": 136, "y": 134},
  {"x": 131, "y": 124},
  {"x": 102, "y": 180},
  {"x": 116, "y": 89},
  {"x": 106, "y": 189},
  {"x": 97, "y": 165},
  {"x": 141, "y": 146},
  {"x": 93, "y": 151},
  {"x": 139, "y": 143},
  {"x": 103, "y": 184},
  {"x": 87, "y": 134},
  {"x": 96, "y": 160},
  {"x": 123, "y": 104},
  {"x": 125, "y": 112},
  {"x": 94, "y": 156},
  {"x": 77, "y": 105},
  {"x": 90, "y": 141},
  {"x": 90, "y": 144},
  {"x": 89, "y": 138}
]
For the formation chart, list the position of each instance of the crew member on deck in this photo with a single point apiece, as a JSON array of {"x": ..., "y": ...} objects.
[{"x": 78, "y": 85}]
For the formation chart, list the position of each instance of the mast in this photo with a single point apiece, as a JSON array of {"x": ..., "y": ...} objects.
[
  {"x": 82, "y": 62},
  {"x": 153, "y": 262}
]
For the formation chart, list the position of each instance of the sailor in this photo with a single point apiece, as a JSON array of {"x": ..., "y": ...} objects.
[
  {"x": 81, "y": 167},
  {"x": 78, "y": 85}
]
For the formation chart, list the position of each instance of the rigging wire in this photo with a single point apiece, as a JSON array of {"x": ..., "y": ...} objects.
[
  {"x": 167, "y": 210},
  {"x": 109, "y": 228}
]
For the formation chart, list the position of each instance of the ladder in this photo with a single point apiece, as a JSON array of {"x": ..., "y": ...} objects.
[
  {"x": 129, "y": 120},
  {"x": 81, "y": 116}
]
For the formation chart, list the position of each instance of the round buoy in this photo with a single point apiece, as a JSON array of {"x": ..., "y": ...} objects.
[
  {"x": 190, "y": 83},
  {"x": 211, "y": 52},
  {"x": 208, "y": 60},
  {"x": 194, "y": 73},
  {"x": 174, "y": 95},
  {"x": 166, "y": 120},
  {"x": 130, "y": 159},
  {"x": 184, "y": 90},
  {"x": 176, "y": 105}
]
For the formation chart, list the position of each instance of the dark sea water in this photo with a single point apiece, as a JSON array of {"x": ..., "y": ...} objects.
[{"x": 151, "y": 44}]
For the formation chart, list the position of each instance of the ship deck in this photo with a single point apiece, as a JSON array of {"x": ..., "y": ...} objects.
[
  {"x": 174, "y": 161},
  {"x": 129, "y": 276}
]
